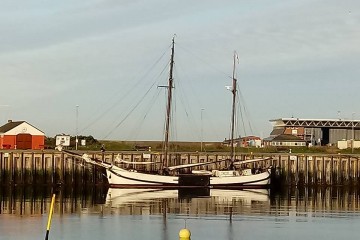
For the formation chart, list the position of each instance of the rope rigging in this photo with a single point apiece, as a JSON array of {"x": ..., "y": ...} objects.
[
  {"x": 138, "y": 126},
  {"x": 246, "y": 113},
  {"x": 212, "y": 67},
  {"x": 124, "y": 96},
  {"x": 242, "y": 116},
  {"x": 138, "y": 103},
  {"x": 129, "y": 113},
  {"x": 187, "y": 107}
]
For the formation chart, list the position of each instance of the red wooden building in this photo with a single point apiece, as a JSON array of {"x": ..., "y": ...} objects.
[{"x": 21, "y": 135}]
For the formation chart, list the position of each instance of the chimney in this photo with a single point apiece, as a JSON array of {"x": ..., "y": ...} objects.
[{"x": 9, "y": 121}]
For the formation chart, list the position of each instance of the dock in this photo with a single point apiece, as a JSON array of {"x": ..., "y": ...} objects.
[{"x": 50, "y": 167}]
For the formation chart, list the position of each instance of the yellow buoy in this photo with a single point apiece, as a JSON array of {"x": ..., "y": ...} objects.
[{"x": 184, "y": 234}]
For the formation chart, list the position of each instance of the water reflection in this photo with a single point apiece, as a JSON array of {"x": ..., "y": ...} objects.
[
  {"x": 305, "y": 202},
  {"x": 34, "y": 200},
  {"x": 316, "y": 202},
  {"x": 218, "y": 202}
]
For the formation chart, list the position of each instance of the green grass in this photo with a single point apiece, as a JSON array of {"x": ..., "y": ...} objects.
[{"x": 95, "y": 145}]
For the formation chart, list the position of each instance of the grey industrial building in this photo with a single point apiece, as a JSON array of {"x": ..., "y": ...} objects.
[{"x": 318, "y": 131}]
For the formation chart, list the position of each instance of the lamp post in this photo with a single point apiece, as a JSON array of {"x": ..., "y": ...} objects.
[
  {"x": 201, "y": 117},
  {"x": 352, "y": 133},
  {"x": 77, "y": 117}
]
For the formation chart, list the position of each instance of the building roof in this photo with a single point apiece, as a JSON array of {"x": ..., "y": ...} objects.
[
  {"x": 250, "y": 138},
  {"x": 10, "y": 125},
  {"x": 316, "y": 123},
  {"x": 269, "y": 139},
  {"x": 284, "y": 138},
  {"x": 13, "y": 124},
  {"x": 246, "y": 138},
  {"x": 277, "y": 131}
]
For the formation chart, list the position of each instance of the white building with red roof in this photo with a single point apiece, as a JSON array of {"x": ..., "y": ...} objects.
[{"x": 21, "y": 135}]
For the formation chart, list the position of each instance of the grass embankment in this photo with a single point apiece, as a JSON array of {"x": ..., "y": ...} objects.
[
  {"x": 209, "y": 147},
  {"x": 93, "y": 144}
]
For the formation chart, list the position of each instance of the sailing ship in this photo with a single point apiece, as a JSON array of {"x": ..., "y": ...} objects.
[{"x": 235, "y": 176}]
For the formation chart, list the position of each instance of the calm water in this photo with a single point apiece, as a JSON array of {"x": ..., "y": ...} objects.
[{"x": 96, "y": 213}]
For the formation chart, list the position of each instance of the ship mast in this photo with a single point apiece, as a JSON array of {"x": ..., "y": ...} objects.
[
  {"x": 232, "y": 152},
  {"x": 168, "y": 107}
]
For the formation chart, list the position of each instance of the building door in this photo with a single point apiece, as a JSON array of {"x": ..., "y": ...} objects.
[{"x": 23, "y": 141}]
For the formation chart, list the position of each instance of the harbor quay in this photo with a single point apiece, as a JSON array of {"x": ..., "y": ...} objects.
[{"x": 50, "y": 167}]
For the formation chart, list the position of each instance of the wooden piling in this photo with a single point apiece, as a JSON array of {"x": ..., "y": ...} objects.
[
  {"x": 12, "y": 168},
  {"x": 22, "y": 168},
  {"x": 1, "y": 167}
]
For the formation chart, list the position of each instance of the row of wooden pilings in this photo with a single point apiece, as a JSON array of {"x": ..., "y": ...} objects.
[{"x": 52, "y": 167}]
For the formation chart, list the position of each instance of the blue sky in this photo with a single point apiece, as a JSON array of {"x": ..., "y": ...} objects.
[{"x": 297, "y": 58}]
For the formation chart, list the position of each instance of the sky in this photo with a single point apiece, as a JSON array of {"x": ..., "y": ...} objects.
[{"x": 94, "y": 67}]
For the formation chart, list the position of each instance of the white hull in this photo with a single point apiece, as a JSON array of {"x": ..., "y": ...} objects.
[{"x": 119, "y": 177}]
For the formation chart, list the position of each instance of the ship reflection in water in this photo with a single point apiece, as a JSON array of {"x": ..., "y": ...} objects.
[
  {"x": 186, "y": 201},
  {"x": 34, "y": 201}
]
